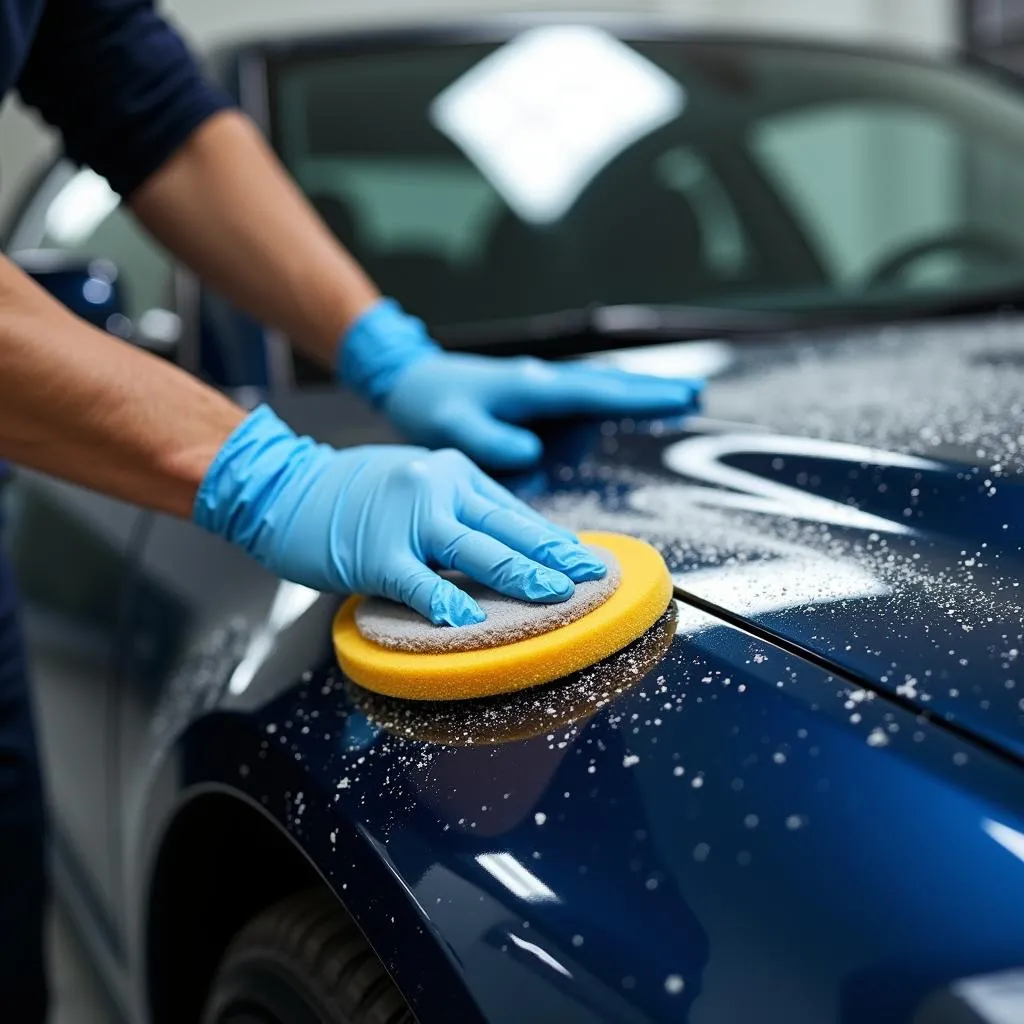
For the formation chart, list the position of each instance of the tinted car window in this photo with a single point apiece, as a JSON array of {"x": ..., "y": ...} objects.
[{"x": 567, "y": 167}]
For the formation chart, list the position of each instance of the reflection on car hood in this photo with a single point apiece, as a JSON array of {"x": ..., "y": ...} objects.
[{"x": 861, "y": 497}]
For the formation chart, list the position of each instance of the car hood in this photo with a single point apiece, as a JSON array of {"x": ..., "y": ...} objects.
[
  {"x": 747, "y": 814},
  {"x": 859, "y": 497}
]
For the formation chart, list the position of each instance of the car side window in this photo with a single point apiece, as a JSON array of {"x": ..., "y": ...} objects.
[
  {"x": 866, "y": 179},
  {"x": 75, "y": 211}
]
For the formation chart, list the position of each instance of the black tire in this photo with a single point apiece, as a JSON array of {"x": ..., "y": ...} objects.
[{"x": 303, "y": 961}]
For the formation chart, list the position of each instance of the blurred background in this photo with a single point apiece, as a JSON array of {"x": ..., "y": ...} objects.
[{"x": 926, "y": 24}]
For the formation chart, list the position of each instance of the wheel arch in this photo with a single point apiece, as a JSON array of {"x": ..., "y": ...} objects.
[{"x": 221, "y": 860}]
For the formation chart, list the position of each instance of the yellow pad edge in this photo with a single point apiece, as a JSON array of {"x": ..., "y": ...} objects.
[{"x": 642, "y": 596}]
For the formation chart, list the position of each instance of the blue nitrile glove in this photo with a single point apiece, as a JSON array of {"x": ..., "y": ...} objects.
[
  {"x": 370, "y": 520},
  {"x": 472, "y": 402}
]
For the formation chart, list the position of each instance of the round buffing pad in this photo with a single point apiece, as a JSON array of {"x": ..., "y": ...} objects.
[
  {"x": 644, "y": 591},
  {"x": 400, "y": 628},
  {"x": 524, "y": 714}
]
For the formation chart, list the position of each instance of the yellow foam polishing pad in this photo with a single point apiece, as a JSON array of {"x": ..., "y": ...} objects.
[{"x": 642, "y": 596}]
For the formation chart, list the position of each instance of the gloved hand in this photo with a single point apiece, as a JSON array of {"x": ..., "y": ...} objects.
[
  {"x": 473, "y": 402},
  {"x": 371, "y": 520}
]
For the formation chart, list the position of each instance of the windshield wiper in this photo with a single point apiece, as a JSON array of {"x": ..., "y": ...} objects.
[{"x": 592, "y": 328}]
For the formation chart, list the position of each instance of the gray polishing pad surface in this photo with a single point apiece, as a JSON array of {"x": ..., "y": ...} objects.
[{"x": 397, "y": 627}]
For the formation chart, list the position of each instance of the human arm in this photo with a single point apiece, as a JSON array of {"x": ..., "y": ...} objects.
[
  {"x": 130, "y": 102},
  {"x": 76, "y": 403},
  {"x": 81, "y": 405},
  {"x": 225, "y": 205},
  {"x": 118, "y": 83},
  {"x": 227, "y": 208}
]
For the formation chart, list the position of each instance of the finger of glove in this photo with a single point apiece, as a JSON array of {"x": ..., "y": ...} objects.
[
  {"x": 499, "y": 495},
  {"x": 592, "y": 390},
  {"x": 436, "y": 599},
  {"x": 695, "y": 385},
  {"x": 533, "y": 537},
  {"x": 490, "y": 441},
  {"x": 498, "y": 566}
]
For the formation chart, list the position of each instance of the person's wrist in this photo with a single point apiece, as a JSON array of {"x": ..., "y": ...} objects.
[
  {"x": 378, "y": 347},
  {"x": 245, "y": 476}
]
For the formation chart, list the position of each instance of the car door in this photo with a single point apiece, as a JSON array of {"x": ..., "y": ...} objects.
[{"x": 72, "y": 552}]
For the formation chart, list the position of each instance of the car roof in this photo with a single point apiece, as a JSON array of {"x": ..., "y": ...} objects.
[{"x": 391, "y": 35}]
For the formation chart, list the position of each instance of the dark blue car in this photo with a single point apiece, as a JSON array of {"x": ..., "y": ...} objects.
[{"x": 799, "y": 799}]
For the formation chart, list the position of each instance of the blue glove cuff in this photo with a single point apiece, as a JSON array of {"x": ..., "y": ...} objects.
[
  {"x": 375, "y": 350},
  {"x": 246, "y": 476}
]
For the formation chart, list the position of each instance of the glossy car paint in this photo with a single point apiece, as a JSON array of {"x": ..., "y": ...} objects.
[
  {"x": 888, "y": 541},
  {"x": 808, "y": 809},
  {"x": 711, "y": 840},
  {"x": 741, "y": 831}
]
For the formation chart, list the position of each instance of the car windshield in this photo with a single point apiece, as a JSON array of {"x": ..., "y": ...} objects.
[{"x": 567, "y": 167}]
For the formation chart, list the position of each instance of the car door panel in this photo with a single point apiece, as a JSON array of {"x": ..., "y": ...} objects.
[{"x": 71, "y": 550}]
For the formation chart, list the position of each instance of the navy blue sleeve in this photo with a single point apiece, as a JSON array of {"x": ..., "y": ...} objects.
[{"x": 119, "y": 83}]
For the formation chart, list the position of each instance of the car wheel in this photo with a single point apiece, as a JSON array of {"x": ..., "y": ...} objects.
[{"x": 303, "y": 961}]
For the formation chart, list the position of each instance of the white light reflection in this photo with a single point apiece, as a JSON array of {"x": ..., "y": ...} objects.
[
  {"x": 774, "y": 586},
  {"x": 541, "y": 954},
  {"x": 1008, "y": 838},
  {"x": 291, "y": 601},
  {"x": 700, "y": 458},
  {"x": 996, "y": 998},
  {"x": 517, "y": 879},
  {"x": 703, "y": 359},
  {"x": 79, "y": 208},
  {"x": 544, "y": 114}
]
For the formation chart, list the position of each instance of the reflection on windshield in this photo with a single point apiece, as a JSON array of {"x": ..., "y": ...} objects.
[{"x": 544, "y": 114}]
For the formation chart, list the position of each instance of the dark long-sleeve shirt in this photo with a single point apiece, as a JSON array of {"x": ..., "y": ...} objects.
[{"x": 111, "y": 75}]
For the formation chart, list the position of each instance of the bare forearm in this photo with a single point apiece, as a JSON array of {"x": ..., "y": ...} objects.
[
  {"x": 227, "y": 208},
  {"x": 78, "y": 404}
]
